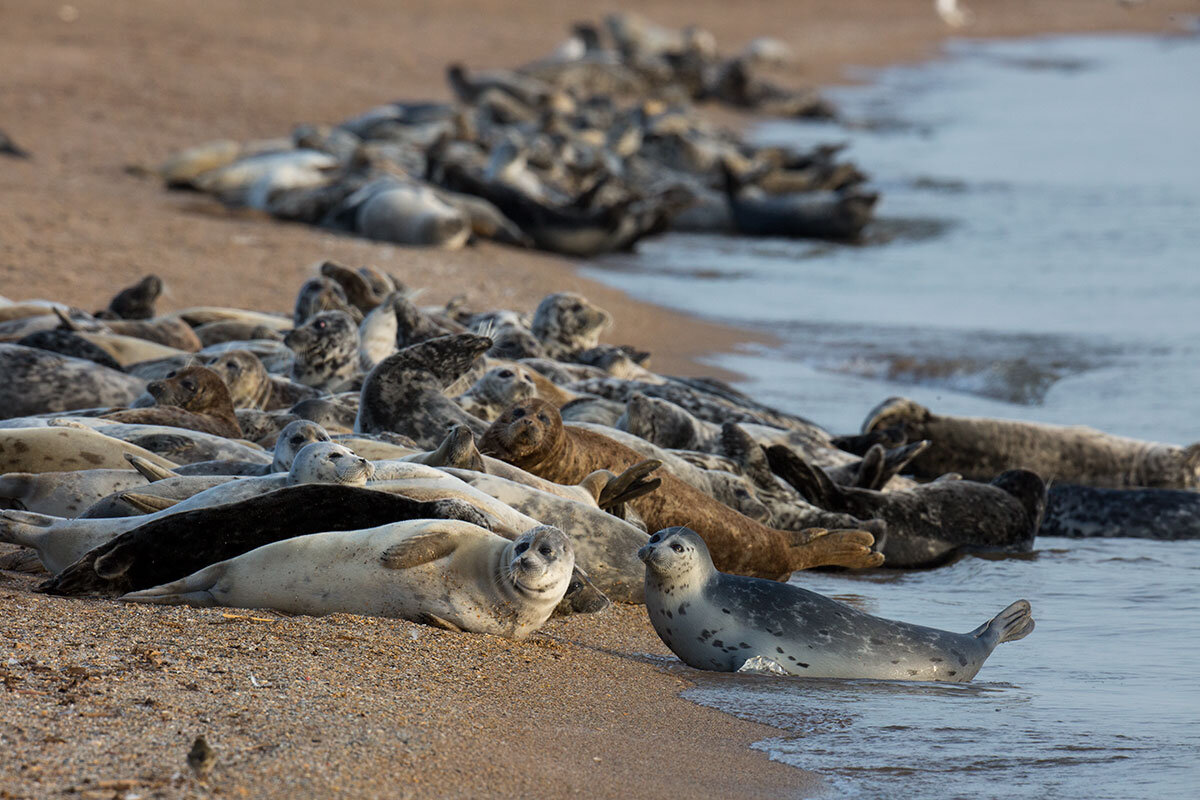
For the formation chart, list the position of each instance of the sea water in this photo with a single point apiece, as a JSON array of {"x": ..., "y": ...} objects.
[{"x": 1037, "y": 257}]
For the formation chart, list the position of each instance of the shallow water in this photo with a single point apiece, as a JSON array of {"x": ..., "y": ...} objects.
[{"x": 1037, "y": 259}]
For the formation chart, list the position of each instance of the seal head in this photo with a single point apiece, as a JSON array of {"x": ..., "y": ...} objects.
[{"x": 328, "y": 462}]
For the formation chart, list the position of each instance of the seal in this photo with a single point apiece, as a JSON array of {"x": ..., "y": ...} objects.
[
  {"x": 65, "y": 494},
  {"x": 195, "y": 397},
  {"x": 931, "y": 524},
  {"x": 66, "y": 448},
  {"x": 39, "y": 382},
  {"x": 137, "y": 301},
  {"x": 531, "y": 435},
  {"x": 404, "y": 392},
  {"x": 981, "y": 448},
  {"x": 167, "y": 331},
  {"x": 447, "y": 573},
  {"x": 69, "y": 343},
  {"x": 245, "y": 377},
  {"x": 1083, "y": 512},
  {"x": 715, "y": 621},
  {"x": 170, "y": 548},
  {"x": 498, "y": 389},
  {"x": 322, "y": 294},
  {"x": 567, "y": 323},
  {"x": 326, "y": 350},
  {"x": 291, "y": 440}
]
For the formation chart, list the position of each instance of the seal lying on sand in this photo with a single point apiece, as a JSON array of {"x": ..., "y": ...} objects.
[
  {"x": 980, "y": 449},
  {"x": 170, "y": 548},
  {"x": 65, "y": 448},
  {"x": 446, "y": 573},
  {"x": 716, "y": 621},
  {"x": 195, "y": 397},
  {"x": 38, "y": 382},
  {"x": 530, "y": 435}
]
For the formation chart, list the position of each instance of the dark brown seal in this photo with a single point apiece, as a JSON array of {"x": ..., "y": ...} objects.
[
  {"x": 531, "y": 435},
  {"x": 195, "y": 397}
]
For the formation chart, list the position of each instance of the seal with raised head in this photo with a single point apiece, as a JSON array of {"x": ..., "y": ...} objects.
[
  {"x": 326, "y": 350},
  {"x": 566, "y": 323},
  {"x": 294, "y": 437},
  {"x": 170, "y": 548},
  {"x": 531, "y": 435},
  {"x": 137, "y": 301},
  {"x": 404, "y": 392},
  {"x": 446, "y": 573},
  {"x": 195, "y": 397},
  {"x": 981, "y": 448},
  {"x": 716, "y": 621}
]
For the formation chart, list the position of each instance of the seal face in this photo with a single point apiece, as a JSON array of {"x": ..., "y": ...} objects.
[
  {"x": 329, "y": 462},
  {"x": 326, "y": 350},
  {"x": 566, "y": 322},
  {"x": 194, "y": 397},
  {"x": 716, "y": 621}
]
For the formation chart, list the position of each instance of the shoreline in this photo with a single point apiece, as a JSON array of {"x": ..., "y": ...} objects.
[{"x": 351, "y": 706}]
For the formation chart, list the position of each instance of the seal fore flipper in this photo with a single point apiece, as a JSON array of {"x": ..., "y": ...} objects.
[
  {"x": 630, "y": 484},
  {"x": 420, "y": 549},
  {"x": 149, "y": 470},
  {"x": 842, "y": 548}
]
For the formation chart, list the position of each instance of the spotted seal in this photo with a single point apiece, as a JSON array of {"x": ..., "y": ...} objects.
[
  {"x": 1085, "y": 512},
  {"x": 716, "y": 621},
  {"x": 326, "y": 350},
  {"x": 981, "y": 448},
  {"x": 531, "y": 435},
  {"x": 38, "y": 382},
  {"x": 53, "y": 448},
  {"x": 447, "y": 573}
]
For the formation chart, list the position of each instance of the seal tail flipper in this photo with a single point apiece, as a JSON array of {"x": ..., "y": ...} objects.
[
  {"x": 150, "y": 471},
  {"x": 194, "y": 590},
  {"x": 630, "y": 484},
  {"x": 1014, "y": 622},
  {"x": 817, "y": 547},
  {"x": 147, "y": 503},
  {"x": 24, "y": 528}
]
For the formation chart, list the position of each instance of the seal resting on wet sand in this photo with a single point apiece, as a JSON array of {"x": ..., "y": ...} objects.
[
  {"x": 716, "y": 621},
  {"x": 531, "y": 435}
]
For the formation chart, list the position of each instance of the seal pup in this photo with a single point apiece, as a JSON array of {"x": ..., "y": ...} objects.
[
  {"x": 326, "y": 350},
  {"x": 446, "y": 573},
  {"x": 566, "y": 323},
  {"x": 195, "y": 397},
  {"x": 931, "y": 523},
  {"x": 404, "y": 392},
  {"x": 170, "y": 548},
  {"x": 1085, "y": 512},
  {"x": 980, "y": 449},
  {"x": 531, "y": 435},
  {"x": 716, "y": 621},
  {"x": 39, "y": 382}
]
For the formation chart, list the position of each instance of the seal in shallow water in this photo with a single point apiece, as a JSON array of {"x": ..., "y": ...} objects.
[
  {"x": 446, "y": 573},
  {"x": 531, "y": 435},
  {"x": 716, "y": 621},
  {"x": 981, "y": 448}
]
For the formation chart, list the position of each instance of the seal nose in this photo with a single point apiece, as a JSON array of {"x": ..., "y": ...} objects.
[
  {"x": 644, "y": 551},
  {"x": 526, "y": 562}
]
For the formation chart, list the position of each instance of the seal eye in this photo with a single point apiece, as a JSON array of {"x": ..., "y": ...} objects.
[
  {"x": 234, "y": 367},
  {"x": 505, "y": 373},
  {"x": 517, "y": 413},
  {"x": 189, "y": 385},
  {"x": 655, "y": 539},
  {"x": 171, "y": 374},
  {"x": 296, "y": 440},
  {"x": 334, "y": 456},
  {"x": 576, "y": 307},
  {"x": 319, "y": 324},
  {"x": 545, "y": 550},
  {"x": 543, "y": 419},
  {"x": 677, "y": 547},
  {"x": 521, "y": 548}
]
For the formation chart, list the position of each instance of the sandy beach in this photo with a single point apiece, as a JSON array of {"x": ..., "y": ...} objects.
[{"x": 103, "y": 700}]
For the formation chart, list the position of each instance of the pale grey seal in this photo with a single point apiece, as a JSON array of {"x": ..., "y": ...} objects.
[
  {"x": 716, "y": 621},
  {"x": 446, "y": 573}
]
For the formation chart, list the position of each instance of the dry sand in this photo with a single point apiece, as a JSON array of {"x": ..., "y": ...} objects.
[{"x": 100, "y": 697}]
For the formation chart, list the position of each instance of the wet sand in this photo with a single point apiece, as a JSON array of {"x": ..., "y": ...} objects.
[{"x": 94, "y": 691}]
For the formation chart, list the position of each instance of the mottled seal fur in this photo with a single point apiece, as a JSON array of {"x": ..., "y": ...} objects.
[
  {"x": 174, "y": 547},
  {"x": 404, "y": 392},
  {"x": 932, "y": 523},
  {"x": 566, "y": 322},
  {"x": 531, "y": 435},
  {"x": 326, "y": 350},
  {"x": 981, "y": 449},
  {"x": 54, "y": 448},
  {"x": 1086, "y": 512},
  {"x": 39, "y": 382},
  {"x": 716, "y": 621},
  {"x": 443, "y": 572}
]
